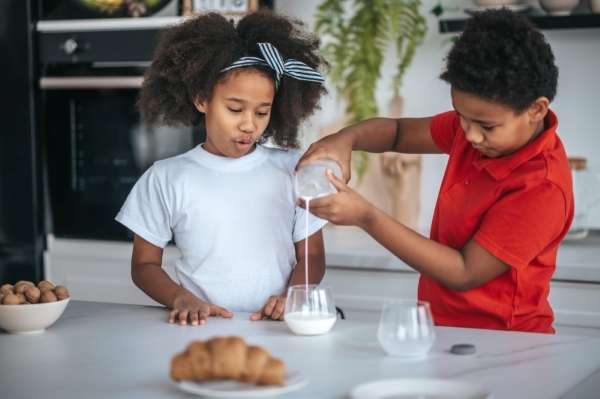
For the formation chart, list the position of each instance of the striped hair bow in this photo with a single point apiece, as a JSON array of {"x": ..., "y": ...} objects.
[{"x": 273, "y": 59}]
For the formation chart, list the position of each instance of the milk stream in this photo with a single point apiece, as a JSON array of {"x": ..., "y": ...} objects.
[
  {"x": 313, "y": 321},
  {"x": 307, "y": 200}
]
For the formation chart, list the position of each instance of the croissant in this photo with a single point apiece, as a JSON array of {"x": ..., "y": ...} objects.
[{"x": 227, "y": 358}]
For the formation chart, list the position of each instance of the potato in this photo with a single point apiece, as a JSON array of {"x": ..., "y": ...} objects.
[
  {"x": 1, "y": 296},
  {"x": 33, "y": 295},
  {"x": 7, "y": 289},
  {"x": 45, "y": 285},
  {"x": 10, "y": 299},
  {"x": 47, "y": 296},
  {"x": 61, "y": 292},
  {"x": 22, "y": 286}
]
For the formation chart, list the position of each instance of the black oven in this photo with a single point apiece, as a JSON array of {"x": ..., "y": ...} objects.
[{"x": 95, "y": 144}]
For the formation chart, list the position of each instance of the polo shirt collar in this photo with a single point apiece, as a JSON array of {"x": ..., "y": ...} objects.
[{"x": 500, "y": 168}]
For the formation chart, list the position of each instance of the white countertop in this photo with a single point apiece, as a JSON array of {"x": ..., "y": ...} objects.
[
  {"x": 123, "y": 351},
  {"x": 350, "y": 247}
]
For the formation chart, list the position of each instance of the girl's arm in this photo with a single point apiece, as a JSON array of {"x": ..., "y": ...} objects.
[
  {"x": 275, "y": 306},
  {"x": 406, "y": 135},
  {"x": 148, "y": 275},
  {"x": 462, "y": 270}
]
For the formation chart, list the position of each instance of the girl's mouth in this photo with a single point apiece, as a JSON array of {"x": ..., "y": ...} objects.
[{"x": 244, "y": 144}]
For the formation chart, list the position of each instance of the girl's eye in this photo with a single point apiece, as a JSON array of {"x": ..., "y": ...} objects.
[
  {"x": 262, "y": 114},
  {"x": 488, "y": 128},
  {"x": 234, "y": 110}
]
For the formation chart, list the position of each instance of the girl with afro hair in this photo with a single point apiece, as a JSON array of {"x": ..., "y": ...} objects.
[
  {"x": 506, "y": 200},
  {"x": 228, "y": 204}
]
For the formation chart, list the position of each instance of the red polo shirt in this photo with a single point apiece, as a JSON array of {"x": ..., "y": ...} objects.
[{"x": 518, "y": 207}]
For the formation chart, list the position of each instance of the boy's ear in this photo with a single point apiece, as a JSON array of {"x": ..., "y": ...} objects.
[
  {"x": 200, "y": 104},
  {"x": 538, "y": 109}
]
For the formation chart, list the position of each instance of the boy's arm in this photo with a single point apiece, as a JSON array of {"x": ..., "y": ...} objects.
[
  {"x": 275, "y": 306},
  {"x": 406, "y": 135},
  {"x": 461, "y": 270}
]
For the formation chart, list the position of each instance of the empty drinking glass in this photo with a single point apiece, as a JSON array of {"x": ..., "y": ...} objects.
[
  {"x": 309, "y": 309},
  {"x": 406, "y": 328},
  {"x": 311, "y": 180}
]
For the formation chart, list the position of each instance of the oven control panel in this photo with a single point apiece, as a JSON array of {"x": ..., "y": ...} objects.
[{"x": 105, "y": 41}]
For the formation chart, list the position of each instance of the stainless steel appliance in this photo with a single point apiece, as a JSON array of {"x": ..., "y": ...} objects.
[{"x": 96, "y": 144}]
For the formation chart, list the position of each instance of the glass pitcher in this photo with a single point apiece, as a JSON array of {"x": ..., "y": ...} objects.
[{"x": 311, "y": 180}]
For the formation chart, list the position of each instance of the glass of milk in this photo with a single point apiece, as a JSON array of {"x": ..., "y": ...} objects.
[
  {"x": 406, "y": 328},
  {"x": 309, "y": 309},
  {"x": 311, "y": 180}
]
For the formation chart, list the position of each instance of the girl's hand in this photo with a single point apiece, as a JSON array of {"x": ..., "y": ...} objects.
[
  {"x": 273, "y": 309},
  {"x": 346, "y": 208},
  {"x": 337, "y": 146},
  {"x": 187, "y": 308}
]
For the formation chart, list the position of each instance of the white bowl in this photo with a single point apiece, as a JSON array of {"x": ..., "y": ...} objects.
[{"x": 32, "y": 318}]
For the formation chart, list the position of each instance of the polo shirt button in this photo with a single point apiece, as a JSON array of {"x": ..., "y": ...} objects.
[{"x": 466, "y": 182}]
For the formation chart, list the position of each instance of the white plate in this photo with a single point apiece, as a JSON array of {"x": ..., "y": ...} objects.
[
  {"x": 520, "y": 7},
  {"x": 234, "y": 389},
  {"x": 422, "y": 388}
]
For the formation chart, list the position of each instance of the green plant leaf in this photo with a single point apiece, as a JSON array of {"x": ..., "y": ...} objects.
[{"x": 356, "y": 44}]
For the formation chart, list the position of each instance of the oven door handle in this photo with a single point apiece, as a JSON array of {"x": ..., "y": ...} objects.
[{"x": 90, "y": 82}]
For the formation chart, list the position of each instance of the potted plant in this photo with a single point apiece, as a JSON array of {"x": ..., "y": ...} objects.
[{"x": 357, "y": 34}]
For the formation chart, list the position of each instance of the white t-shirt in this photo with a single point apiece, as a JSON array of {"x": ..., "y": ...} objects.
[{"x": 234, "y": 220}]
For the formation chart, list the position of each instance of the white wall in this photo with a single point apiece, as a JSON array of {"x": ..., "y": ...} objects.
[{"x": 577, "y": 103}]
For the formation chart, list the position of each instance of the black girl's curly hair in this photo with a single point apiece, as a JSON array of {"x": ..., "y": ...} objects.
[
  {"x": 502, "y": 57},
  {"x": 190, "y": 56}
]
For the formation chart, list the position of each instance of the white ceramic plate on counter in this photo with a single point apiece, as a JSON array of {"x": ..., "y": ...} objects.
[
  {"x": 421, "y": 388},
  {"x": 293, "y": 381}
]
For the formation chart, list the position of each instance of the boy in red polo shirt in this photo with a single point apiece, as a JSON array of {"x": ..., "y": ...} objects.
[{"x": 506, "y": 199}]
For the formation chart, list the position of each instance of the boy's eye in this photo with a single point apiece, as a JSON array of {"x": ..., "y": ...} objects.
[
  {"x": 234, "y": 109},
  {"x": 487, "y": 127}
]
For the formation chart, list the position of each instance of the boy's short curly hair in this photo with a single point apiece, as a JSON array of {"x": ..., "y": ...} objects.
[
  {"x": 502, "y": 57},
  {"x": 190, "y": 56}
]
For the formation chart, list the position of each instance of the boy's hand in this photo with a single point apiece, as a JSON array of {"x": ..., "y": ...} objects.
[
  {"x": 346, "y": 208},
  {"x": 335, "y": 146},
  {"x": 273, "y": 309},
  {"x": 187, "y": 308}
]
